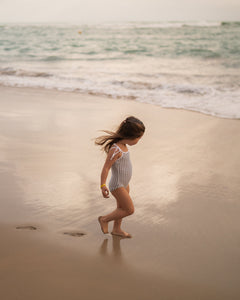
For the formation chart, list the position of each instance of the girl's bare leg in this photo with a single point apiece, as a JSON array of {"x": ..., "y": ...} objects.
[
  {"x": 125, "y": 208},
  {"x": 117, "y": 223}
]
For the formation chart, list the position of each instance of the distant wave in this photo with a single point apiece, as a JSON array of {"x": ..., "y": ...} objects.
[
  {"x": 230, "y": 23},
  {"x": 75, "y": 83},
  {"x": 177, "y": 88},
  {"x": 170, "y": 24},
  {"x": 123, "y": 41},
  {"x": 167, "y": 24},
  {"x": 53, "y": 58},
  {"x": 22, "y": 73},
  {"x": 201, "y": 24},
  {"x": 186, "y": 24}
]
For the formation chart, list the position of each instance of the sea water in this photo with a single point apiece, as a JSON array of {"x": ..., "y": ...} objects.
[{"x": 188, "y": 65}]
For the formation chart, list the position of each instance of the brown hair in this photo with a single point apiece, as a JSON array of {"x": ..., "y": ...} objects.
[{"x": 130, "y": 128}]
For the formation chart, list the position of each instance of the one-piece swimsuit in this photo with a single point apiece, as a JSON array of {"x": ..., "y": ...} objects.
[{"x": 121, "y": 169}]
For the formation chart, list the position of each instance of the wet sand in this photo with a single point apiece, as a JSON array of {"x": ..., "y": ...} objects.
[
  {"x": 185, "y": 188},
  {"x": 32, "y": 268}
]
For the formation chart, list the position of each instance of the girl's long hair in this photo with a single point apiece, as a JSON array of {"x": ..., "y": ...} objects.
[{"x": 130, "y": 128}]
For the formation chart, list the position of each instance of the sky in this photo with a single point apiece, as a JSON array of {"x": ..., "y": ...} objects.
[{"x": 95, "y": 11}]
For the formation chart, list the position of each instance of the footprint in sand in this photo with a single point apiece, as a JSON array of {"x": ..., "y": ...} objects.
[
  {"x": 27, "y": 227},
  {"x": 75, "y": 234}
]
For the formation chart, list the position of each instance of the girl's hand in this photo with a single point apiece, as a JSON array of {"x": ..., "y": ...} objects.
[{"x": 105, "y": 192}]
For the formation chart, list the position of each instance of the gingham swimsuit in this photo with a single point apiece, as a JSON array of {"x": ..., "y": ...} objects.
[{"x": 121, "y": 169}]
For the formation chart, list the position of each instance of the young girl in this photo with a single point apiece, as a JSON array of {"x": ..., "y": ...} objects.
[{"x": 115, "y": 144}]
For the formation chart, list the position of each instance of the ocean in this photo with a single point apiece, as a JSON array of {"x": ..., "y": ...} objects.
[{"x": 188, "y": 65}]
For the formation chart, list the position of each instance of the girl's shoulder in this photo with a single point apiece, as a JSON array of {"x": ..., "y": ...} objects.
[
  {"x": 114, "y": 146},
  {"x": 120, "y": 147},
  {"x": 115, "y": 152}
]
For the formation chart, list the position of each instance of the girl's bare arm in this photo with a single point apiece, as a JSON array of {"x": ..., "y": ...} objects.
[{"x": 105, "y": 170}]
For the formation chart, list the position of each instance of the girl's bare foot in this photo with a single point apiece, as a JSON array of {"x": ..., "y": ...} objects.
[
  {"x": 104, "y": 225},
  {"x": 121, "y": 233}
]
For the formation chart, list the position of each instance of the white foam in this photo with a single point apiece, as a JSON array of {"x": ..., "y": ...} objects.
[
  {"x": 199, "y": 98},
  {"x": 189, "y": 84}
]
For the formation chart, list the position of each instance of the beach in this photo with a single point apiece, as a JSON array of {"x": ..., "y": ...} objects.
[{"x": 185, "y": 189}]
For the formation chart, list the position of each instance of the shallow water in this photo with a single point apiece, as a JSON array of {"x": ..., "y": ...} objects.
[{"x": 191, "y": 65}]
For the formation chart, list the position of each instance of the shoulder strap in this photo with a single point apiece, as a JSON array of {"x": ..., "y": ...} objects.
[{"x": 116, "y": 151}]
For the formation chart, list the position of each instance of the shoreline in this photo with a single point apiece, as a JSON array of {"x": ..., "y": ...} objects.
[
  {"x": 119, "y": 98},
  {"x": 185, "y": 189}
]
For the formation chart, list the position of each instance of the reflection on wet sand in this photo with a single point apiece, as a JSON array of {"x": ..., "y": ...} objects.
[{"x": 116, "y": 253}]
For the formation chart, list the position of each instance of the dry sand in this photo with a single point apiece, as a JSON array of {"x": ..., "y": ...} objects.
[{"x": 185, "y": 189}]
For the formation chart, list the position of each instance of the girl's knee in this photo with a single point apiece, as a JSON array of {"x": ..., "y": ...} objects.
[{"x": 130, "y": 210}]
